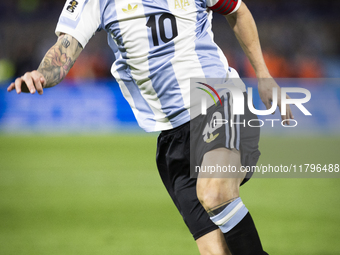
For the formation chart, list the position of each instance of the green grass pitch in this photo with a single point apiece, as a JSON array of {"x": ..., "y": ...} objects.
[{"x": 102, "y": 195}]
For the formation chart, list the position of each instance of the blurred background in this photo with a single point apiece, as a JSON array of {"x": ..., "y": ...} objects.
[{"x": 77, "y": 175}]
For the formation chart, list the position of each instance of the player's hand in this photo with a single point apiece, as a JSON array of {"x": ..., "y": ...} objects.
[
  {"x": 265, "y": 88},
  {"x": 30, "y": 82}
]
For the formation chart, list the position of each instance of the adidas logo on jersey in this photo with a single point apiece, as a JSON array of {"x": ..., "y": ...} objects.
[
  {"x": 181, "y": 4},
  {"x": 72, "y": 6},
  {"x": 130, "y": 10}
]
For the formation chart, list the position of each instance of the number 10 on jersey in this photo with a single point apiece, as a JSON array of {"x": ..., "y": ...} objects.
[{"x": 162, "y": 26}]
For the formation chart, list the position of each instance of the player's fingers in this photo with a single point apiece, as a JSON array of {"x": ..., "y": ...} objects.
[
  {"x": 37, "y": 82},
  {"x": 43, "y": 81},
  {"x": 29, "y": 82},
  {"x": 38, "y": 86},
  {"x": 11, "y": 87},
  {"x": 283, "y": 116},
  {"x": 289, "y": 113},
  {"x": 17, "y": 85},
  {"x": 287, "y": 122},
  {"x": 287, "y": 116},
  {"x": 291, "y": 116},
  {"x": 267, "y": 104}
]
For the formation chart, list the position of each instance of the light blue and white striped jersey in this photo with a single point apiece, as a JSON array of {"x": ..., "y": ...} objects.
[{"x": 159, "y": 45}]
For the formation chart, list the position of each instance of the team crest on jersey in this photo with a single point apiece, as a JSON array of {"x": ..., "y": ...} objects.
[
  {"x": 130, "y": 10},
  {"x": 72, "y": 6},
  {"x": 181, "y": 4}
]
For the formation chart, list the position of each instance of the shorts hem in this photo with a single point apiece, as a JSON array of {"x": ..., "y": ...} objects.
[{"x": 204, "y": 232}]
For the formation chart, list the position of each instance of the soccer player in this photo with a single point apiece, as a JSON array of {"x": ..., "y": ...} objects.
[{"x": 159, "y": 46}]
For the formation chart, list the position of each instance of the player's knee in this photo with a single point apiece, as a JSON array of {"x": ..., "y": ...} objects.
[
  {"x": 212, "y": 194},
  {"x": 210, "y": 198}
]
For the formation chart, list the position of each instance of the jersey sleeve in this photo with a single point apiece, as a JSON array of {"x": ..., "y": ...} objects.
[
  {"x": 224, "y": 7},
  {"x": 80, "y": 19}
]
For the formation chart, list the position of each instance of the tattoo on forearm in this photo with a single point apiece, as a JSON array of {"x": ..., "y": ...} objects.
[
  {"x": 65, "y": 42},
  {"x": 219, "y": 208},
  {"x": 59, "y": 60}
]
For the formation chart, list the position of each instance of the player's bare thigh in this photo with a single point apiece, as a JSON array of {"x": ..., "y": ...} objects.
[
  {"x": 219, "y": 187},
  {"x": 213, "y": 243}
]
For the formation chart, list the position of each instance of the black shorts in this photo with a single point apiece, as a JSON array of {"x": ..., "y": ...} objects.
[{"x": 173, "y": 162}]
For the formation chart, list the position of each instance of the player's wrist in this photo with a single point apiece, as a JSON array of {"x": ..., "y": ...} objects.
[{"x": 262, "y": 74}]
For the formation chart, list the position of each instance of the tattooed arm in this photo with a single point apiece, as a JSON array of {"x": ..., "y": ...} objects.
[
  {"x": 59, "y": 59},
  {"x": 53, "y": 68}
]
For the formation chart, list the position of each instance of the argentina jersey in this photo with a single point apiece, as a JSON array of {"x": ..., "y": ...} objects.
[{"x": 159, "y": 46}]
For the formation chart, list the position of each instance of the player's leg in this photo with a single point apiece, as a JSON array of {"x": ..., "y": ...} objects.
[
  {"x": 173, "y": 161},
  {"x": 220, "y": 198},
  {"x": 213, "y": 243},
  {"x": 214, "y": 187}
]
